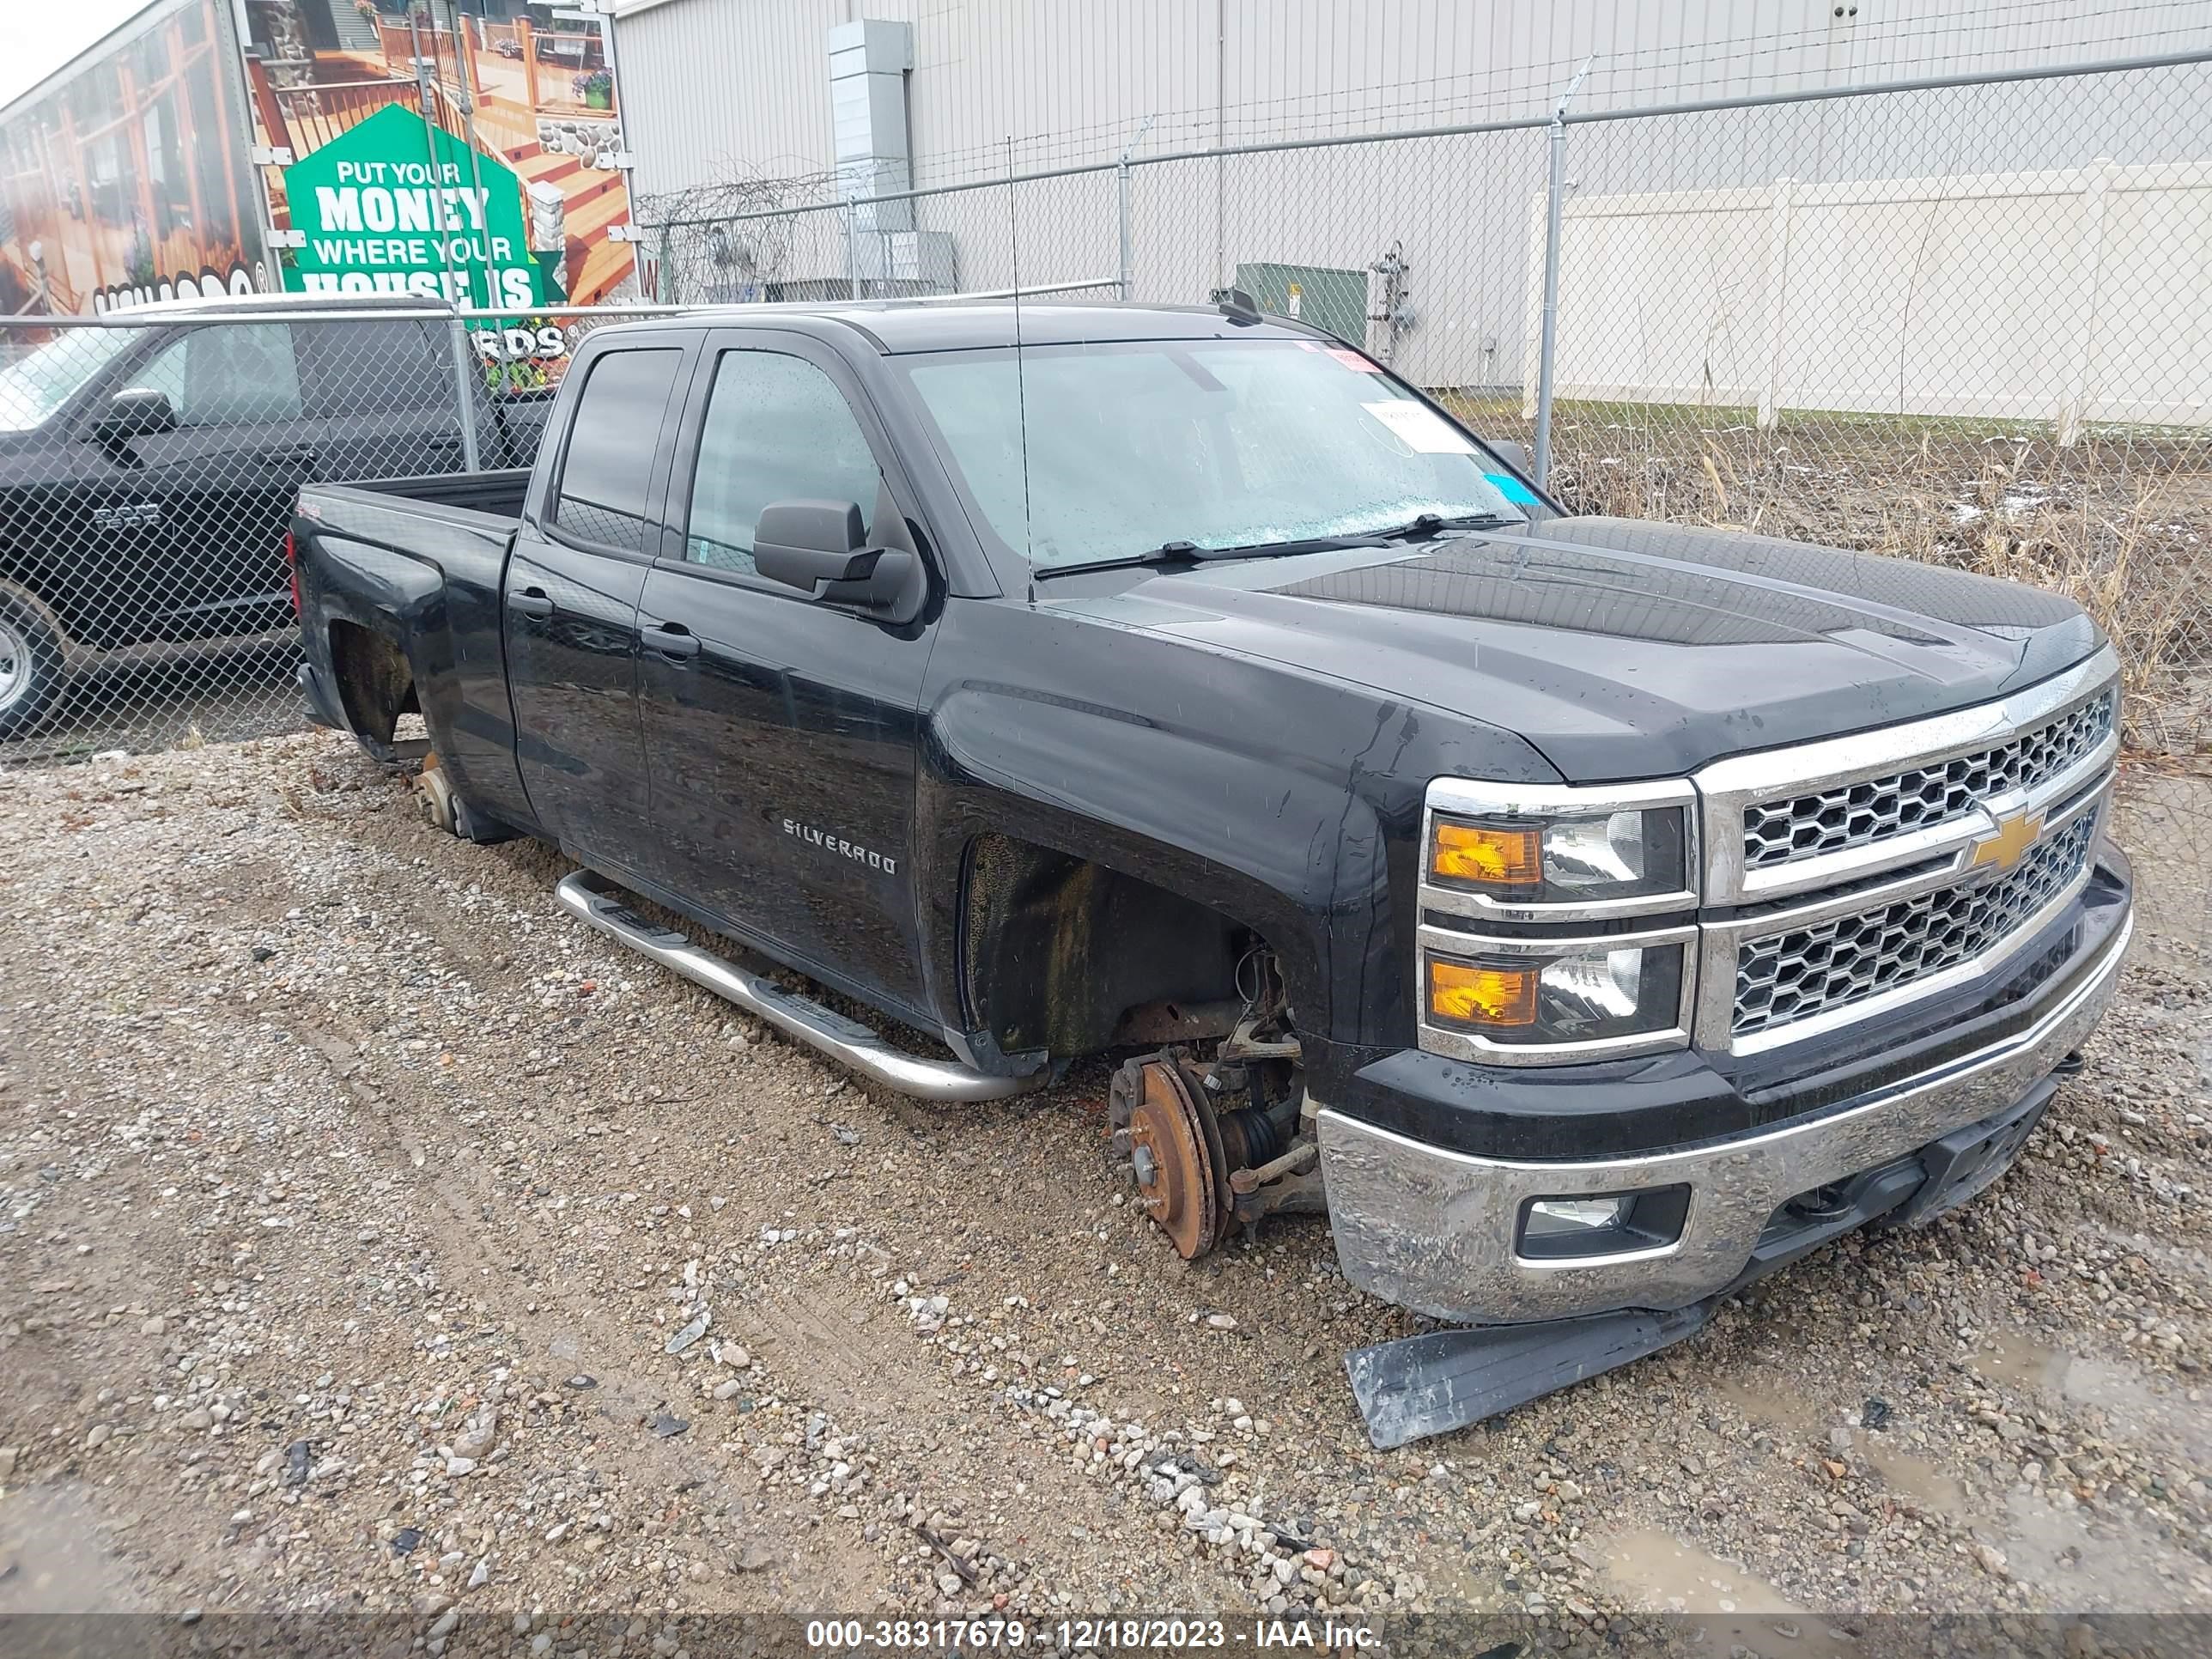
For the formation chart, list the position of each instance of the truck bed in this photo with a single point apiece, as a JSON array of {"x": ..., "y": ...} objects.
[
  {"x": 404, "y": 575},
  {"x": 496, "y": 495}
]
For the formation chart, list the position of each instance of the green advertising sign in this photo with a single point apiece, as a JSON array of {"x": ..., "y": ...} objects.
[{"x": 379, "y": 218}]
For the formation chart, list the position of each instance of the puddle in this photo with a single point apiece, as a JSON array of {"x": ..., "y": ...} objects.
[
  {"x": 1784, "y": 1411},
  {"x": 2129, "y": 1400},
  {"x": 2024, "y": 1364},
  {"x": 61, "y": 1565},
  {"x": 1917, "y": 1477},
  {"x": 2096, "y": 1563},
  {"x": 1731, "y": 1610},
  {"x": 1904, "y": 1472},
  {"x": 2191, "y": 1266}
]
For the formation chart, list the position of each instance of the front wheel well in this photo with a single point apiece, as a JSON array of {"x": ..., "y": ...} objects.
[
  {"x": 375, "y": 681},
  {"x": 1062, "y": 954}
]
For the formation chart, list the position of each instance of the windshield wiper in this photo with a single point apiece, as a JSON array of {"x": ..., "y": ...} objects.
[
  {"x": 1429, "y": 524},
  {"x": 1421, "y": 529},
  {"x": 1191, "y": 553}
]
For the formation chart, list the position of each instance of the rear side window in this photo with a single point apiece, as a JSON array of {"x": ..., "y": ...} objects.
[
  {"x": 363, "y": 369},
  {"x": 777, "y": 430},
  {"x": 228, "y": 374},
  {"x": 611, "y": 446}
]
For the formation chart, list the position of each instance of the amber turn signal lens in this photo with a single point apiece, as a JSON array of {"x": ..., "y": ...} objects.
[
  {"x": 1474, "y": 851},
  {"x": 1468, "y": 995}
]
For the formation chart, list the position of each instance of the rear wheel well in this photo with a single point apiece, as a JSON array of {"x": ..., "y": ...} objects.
[
  {"x": 1062, "y": 954},
  {"x": 375, "y": 681}
]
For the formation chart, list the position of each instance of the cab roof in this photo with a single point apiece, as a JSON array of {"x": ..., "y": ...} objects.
[{"x": 897, "y": 326}]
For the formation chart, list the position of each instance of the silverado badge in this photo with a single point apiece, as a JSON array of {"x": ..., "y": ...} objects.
[{"x": 2004, "y": 846}]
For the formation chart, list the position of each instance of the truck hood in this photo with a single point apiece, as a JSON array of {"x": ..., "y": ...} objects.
[{"x": 1621, "y": 648}]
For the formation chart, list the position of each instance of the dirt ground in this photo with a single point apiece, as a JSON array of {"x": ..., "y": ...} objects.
[{"x": 361, "y": 1213}]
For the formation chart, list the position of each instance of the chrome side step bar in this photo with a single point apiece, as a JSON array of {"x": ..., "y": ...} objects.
[{"x": 589, "y": 898}]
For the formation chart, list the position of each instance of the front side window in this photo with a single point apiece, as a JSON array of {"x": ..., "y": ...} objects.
[
  {"x": 611, "y": 446},
  {"x": 1080, "y": 452},
  {"x": 228, "y": 374},
  {"x": 777, "y": 430}
]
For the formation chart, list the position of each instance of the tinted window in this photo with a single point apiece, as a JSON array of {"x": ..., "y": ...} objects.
[
  {"x": 228, "y": 374},
  {"x": 611, "y": 450},
  {"x": 777, "y": 430},
  {"x": 373, "y": 369}
]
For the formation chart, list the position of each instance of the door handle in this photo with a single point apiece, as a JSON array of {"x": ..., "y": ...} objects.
[
  {"x": 531, "y": 602},
  {"x": 671, "y": 640}
]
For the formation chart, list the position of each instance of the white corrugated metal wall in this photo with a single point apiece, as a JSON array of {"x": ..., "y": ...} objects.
[
  {"x": 712, "y": 83},
  {"x": 714, "y": 89}
]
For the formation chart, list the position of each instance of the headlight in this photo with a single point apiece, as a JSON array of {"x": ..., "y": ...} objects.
[
  {"x": 1517, "y": 982},
  {"x": 1612, "y": 993},
  {"x": 1526, "y": 857}
]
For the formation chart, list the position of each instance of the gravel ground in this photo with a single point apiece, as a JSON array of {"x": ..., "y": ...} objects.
[
  {"x": 377, "y": 1238},
  {"x": 186, "y": 702}
]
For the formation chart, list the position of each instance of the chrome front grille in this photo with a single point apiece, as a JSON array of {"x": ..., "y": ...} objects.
[
  {"x": 1871, "y": 810},
  {"x": 1851, "y": 875},
  {"x": 1807, "y": 971},
  {"x": 1919, "y": 861}
]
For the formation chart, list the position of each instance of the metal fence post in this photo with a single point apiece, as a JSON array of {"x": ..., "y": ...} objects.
[
  {"x": 1777, "y": 301},
  {"x": 1122, "y": 214},
  {"x": 465, "y": 399},
  {"x": 1547, "y": 350},
  {"x": 426, "y": 94},
  {"x": 1121, "y": 207},
  {"x": 606, "y": 14},
  {"x": 2096, "y": 188}
]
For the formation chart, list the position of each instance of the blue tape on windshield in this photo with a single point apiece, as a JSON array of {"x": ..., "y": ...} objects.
[{"x": 1512, "y": 489}]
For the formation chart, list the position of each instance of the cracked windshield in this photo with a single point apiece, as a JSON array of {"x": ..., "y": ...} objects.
[{"x": 1221, "y": 444}]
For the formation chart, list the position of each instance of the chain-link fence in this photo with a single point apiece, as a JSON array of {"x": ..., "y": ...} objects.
[
  {"x": 150, "y": 460},
  {"x": 1965, "y": 324},
  {"x": 1959, "y": 320}
]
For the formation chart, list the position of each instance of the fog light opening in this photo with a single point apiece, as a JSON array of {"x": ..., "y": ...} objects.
[
  {"x": 1566, "y": 1217},
  {"x": 1571, "y": 1227}
]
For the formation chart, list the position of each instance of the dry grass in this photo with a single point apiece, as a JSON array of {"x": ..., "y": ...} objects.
[{"x": 2121, "y": 523}]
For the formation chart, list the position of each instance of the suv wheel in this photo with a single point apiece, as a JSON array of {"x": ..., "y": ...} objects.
[{"x": 30, "y": 666}]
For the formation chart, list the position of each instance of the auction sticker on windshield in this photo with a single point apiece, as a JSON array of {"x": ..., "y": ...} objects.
[{"x": 1419, "y": 427}]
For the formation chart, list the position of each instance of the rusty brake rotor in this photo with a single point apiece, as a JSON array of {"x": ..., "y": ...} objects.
[{"x": 1177, "y": 1153}]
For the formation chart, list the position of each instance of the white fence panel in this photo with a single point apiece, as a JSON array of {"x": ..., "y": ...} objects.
[{"x": 2047, "y": 297}]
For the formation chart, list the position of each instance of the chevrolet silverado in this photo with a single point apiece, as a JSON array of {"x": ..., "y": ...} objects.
[{"x": 1590, "y": 915}]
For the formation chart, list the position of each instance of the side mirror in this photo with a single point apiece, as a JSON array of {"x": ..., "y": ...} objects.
[
  {"x": 1515, "y": 455},
  {"x": 136, "y": 412},
  {"x": 802, "y": 543}
]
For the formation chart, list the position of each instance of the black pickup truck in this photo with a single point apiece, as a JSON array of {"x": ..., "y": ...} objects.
[
  {"x": 150, "y": 460},
  {"x": 1591, "y": 915}
]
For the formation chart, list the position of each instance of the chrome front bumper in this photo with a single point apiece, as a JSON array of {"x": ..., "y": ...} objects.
[{"x": 1437, "y": 1231}]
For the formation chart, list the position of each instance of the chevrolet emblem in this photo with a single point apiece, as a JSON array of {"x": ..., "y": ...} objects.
[{"x": 2004, "y": 847}]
